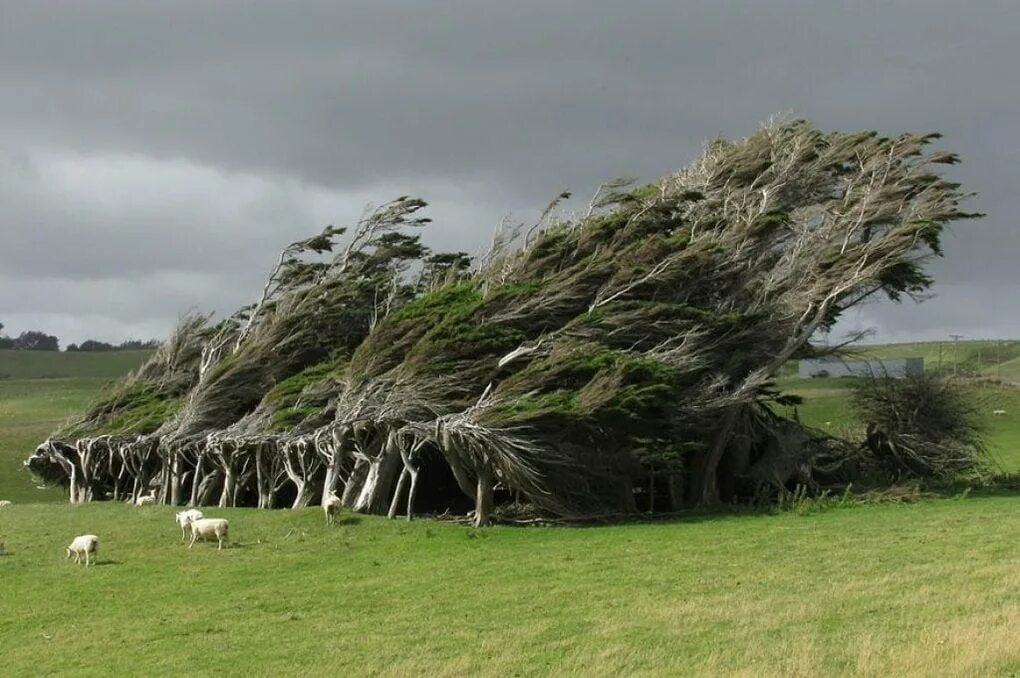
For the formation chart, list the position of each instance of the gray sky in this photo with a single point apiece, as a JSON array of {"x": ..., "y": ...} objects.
[{"x": 154, "y": 157}]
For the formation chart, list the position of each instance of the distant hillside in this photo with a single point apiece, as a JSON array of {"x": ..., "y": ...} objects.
[
  {"x": 985, "y": 357},
  {"x": 827, "y": 401},
  {"x": 18, "y": 365}
]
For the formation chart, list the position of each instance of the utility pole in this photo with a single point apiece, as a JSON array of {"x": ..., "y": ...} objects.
[{"x": 956, "y": 340}]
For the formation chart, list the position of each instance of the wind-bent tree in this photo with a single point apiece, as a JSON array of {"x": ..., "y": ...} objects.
[{"x": 619, "y": 361}]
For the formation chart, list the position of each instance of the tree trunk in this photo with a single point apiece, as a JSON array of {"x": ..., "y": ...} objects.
[
  {"x": 379, "y": 481},
  {"x": 676, "y": 491},
  {"x": 229, "y": 481},
  {"x": 263, "y": 478},
  {"x": 84, "y": 449},
  {"x": 333, "y": 451},
  {"x": 483, "y": 500},
  {"x": 305, "y": 492},
  {"x": 355, "y": 482},
  {"x": 175, "y": 480},
  {"x": 411, "y": 493},
  {"x": 708, "y": 488},
  {"x": 196, "y": 481},
  {"x": 331, "y": 480},
  {"x": 239, "y": 487},
  {"x": 207, "y": 488},
  {"x": 397, "y": 493},
  {"x": 73, "y": 488}
]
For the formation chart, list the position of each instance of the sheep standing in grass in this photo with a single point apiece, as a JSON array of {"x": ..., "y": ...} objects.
[
  {"x": 87, "y": 544},
  {"x": 149, "y": 500},
  {"x": 185, "y": 518},
  {"x": 999, "y": 413},
  {"x": 5, "y": 502},
  {"x": 207, "y": 528},
  {"x": 331, "y": 507}
]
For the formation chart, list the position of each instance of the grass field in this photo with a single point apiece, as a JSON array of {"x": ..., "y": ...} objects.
[
  {"x": 928, "y": 588},
  {"x": 41, "y": 389},
  {"x": 17, "y": 365},
  {"x": 827, "y": 406}
]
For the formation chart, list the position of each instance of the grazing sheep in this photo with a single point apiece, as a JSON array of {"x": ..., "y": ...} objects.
[
  {"x": 87, "y": 544},
  {"x": 207, "y": 528},
  {"x": 331, "y": 507},
  {"x": 999, "y": 413},
  {"x": 185, "y": 518},
  {"x": 149, "y": 500},
  {"x": 5, "y": 502}
]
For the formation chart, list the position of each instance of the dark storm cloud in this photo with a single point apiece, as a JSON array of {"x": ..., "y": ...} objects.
[{"x": 184, "y": 142}]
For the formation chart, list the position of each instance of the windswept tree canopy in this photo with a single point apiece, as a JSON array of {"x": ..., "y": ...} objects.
[{"x": 581, "y": 366}]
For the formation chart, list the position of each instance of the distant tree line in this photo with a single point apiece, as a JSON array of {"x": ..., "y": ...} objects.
[
  {"x": 31, "y": 340},
  {"x": 129, "y": 345},
  {"x": 34, "y": 340}
]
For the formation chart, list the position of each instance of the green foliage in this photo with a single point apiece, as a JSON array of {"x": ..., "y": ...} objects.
[
  {"x": 456, "y": 300},
  {"x": 289, "y": 417},
  {"x": 142, "y": 413},
  {"x": 459, "y": 339},
  {"x": 514, "y": 290},
  {"x": 138, "y": 407},
  {"x": 288, "y": 390},
  {"x": 302, "y": 395},
  {"x": 609, "y": 387}
]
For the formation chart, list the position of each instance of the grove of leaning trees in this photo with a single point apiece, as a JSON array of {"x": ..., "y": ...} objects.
[{"x": 619, "y": 360}]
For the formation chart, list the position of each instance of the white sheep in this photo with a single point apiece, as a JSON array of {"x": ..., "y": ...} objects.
[
  {"x": 185, "y": 518},
  {"x": 999, "y": 413},
  {"x": 149, "y": 500},
  {"x": 207, "y": 528},
  {"x": 5, "y": 502},
  {"x": 85, "y": 544},
  {"x": 331, "y": 506}
]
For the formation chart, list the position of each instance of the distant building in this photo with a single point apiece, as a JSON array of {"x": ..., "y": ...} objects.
[{"x": 834, "y": 367}]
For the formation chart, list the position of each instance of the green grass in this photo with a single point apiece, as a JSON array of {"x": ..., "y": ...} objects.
[
  {"x": 17, "y": 365},
  {"x": 39, "y": 390},
  {"x": 927, "y": 588},
  {"x": 827, "y": 405},
  {"x": 30, "y": 411},
  {"x": 877, "y": 589}
]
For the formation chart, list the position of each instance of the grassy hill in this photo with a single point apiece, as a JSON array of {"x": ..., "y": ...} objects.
[
  {"x": 38, "y": 391},
  {"x": 21, "y": 365},
  {"x": 985, "y": 357},
  {"x": 827, "y": 401}
]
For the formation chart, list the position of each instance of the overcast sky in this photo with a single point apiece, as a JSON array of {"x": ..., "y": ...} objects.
[{"x": 154, "y": 157}]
